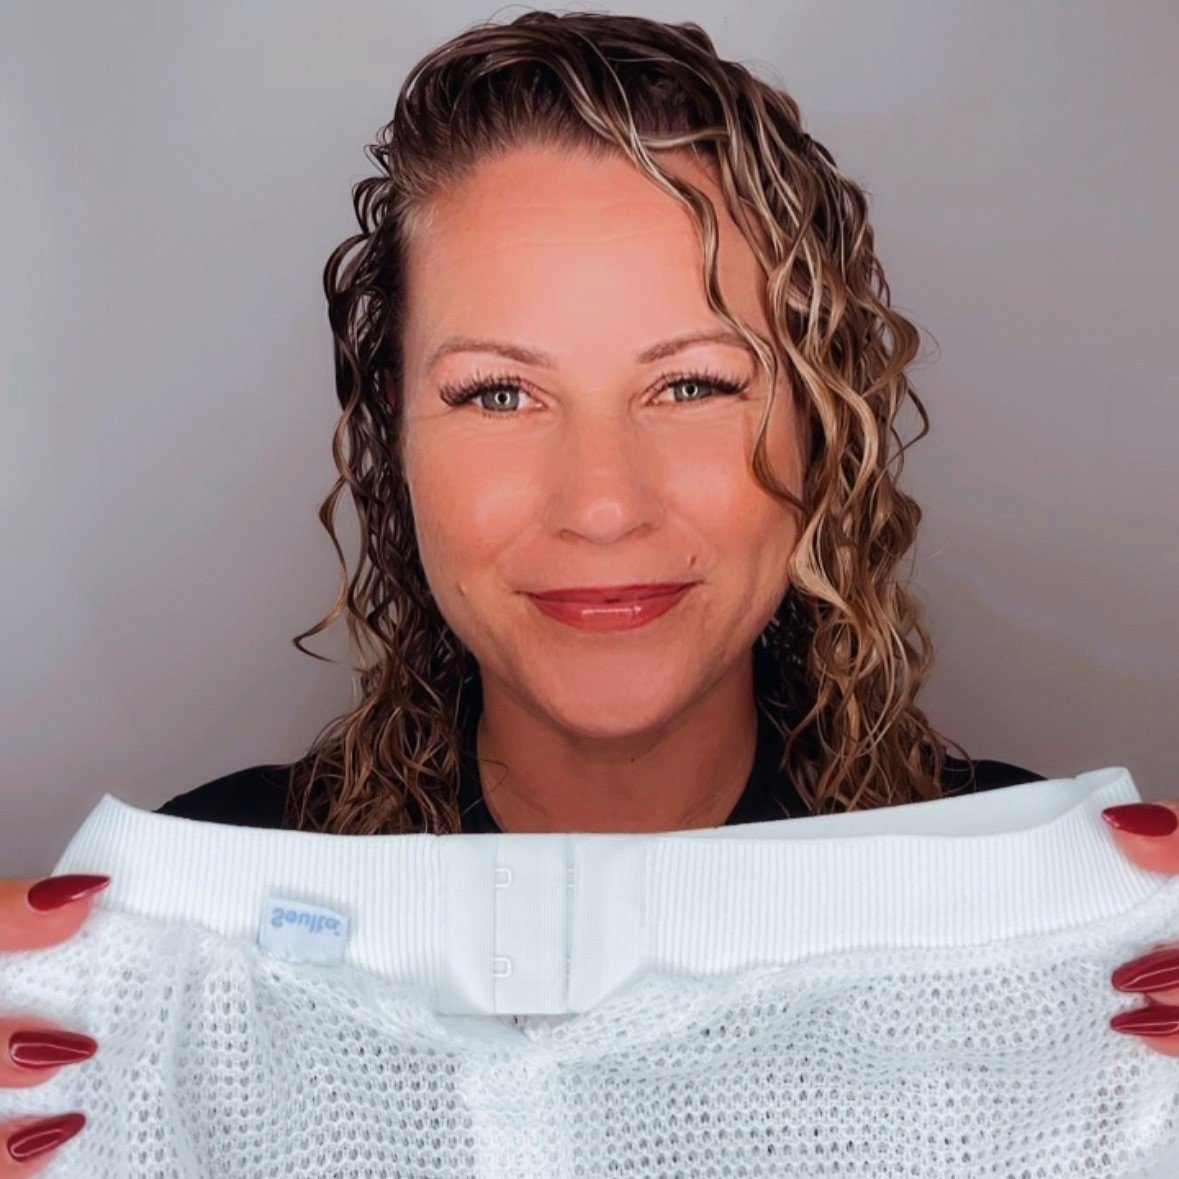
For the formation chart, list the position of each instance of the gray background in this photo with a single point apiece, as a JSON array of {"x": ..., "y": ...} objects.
[{"x": 175, "y": 176}]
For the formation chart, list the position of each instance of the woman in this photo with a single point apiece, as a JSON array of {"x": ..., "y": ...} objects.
[
  {"x": 518, "y": 420},
  {"x": 612, "y": 320}
]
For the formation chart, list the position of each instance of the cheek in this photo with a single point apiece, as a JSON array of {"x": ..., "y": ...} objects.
[
  {"x": 466, "y": 510},
  {"x": 749, "y": 534},
  {"x": 743, "y": 524}
]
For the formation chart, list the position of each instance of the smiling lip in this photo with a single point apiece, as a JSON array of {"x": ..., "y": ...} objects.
[
  {"x": 597, "y": 595},
  {"x": 627, "y": 613}
]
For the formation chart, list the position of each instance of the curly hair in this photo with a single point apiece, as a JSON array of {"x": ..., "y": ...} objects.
[{"x": 841, "y": 663}]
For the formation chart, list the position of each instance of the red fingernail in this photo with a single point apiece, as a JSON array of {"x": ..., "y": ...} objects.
[
  {"x": 1156, "y": 971},
  {"x": 43, "y": 1135},
  {"x": 1155, "y": 1020},
  {"x": 1142, "y": 818},
  {"x": 41, "y": 1048},
  {"x": 55, "y": 891}
]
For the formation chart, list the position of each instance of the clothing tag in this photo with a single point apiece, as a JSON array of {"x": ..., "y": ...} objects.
[{"x": 298, "y": 932}]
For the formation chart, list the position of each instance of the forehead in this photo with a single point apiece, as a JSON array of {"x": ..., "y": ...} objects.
[{"x": 578, "y": 250}]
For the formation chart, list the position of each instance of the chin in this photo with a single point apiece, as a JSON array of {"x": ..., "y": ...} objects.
[{"x": 604, "y": 715}]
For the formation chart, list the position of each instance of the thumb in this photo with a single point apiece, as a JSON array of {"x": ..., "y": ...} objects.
[{"x": 1148, "y": 833}]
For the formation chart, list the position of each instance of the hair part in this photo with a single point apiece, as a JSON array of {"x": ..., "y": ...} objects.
[{"x": 840, "y": 681}]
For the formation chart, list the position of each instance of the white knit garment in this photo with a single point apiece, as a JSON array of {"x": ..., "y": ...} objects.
[{"x": 918, "y": 991}]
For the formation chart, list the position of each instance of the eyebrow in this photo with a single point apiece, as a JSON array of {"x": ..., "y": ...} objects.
[{"x": 541, "y": 359}]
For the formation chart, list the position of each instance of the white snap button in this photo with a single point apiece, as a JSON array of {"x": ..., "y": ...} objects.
[
  {"x": 505, "y": 970},
  {"x": 503, "y": 876}
]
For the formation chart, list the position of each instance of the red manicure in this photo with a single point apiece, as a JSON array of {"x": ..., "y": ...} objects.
[
  {"x": 55, "y": 891},
  {"x": 1156, "y": 971},
  {"x": 1142, "y": 818},
  {"x": 44, "y": 1134},
  {"x": 1155, "y": 1020},
  {"x": 42, "y": 1048}
]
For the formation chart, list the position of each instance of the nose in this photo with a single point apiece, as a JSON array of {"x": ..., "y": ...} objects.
[{"x": 605, "y": 479}]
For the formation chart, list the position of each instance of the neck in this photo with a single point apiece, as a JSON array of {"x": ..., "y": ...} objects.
[{"x": 689, "y": 773}]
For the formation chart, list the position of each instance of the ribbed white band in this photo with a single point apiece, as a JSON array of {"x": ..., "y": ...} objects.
[{"x": 553, "y": 923}]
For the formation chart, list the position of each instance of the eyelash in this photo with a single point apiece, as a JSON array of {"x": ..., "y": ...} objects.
[{"x": 460, "y": 392}]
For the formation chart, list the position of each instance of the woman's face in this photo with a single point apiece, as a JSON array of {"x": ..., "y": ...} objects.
[{"x": 594, "y": 469}]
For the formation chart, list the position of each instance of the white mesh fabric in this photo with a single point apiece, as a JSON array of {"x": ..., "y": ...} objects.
[{"x": 218, "y": 1062}]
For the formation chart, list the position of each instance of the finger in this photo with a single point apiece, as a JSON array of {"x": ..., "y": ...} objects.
[
  {"x": 33, "y": 1049},
  {"x": 1157, "y": 853},
  {"x": 1155, "y": 1025},
  {"x": 25, "y": 926},
  {"x": 20, "y": 1136},
  {"x": 1154, "y": 973}
]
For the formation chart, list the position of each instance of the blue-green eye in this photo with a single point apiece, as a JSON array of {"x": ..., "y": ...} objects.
[
  {"x": 704, "y": 381},
  {"x": 481, "y": 385}
]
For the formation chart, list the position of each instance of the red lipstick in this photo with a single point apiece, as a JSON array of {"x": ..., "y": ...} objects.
[{"x": 603, "y": 608}]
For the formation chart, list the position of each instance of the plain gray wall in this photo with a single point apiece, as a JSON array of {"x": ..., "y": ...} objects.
[{"x": 175, "y": 176}]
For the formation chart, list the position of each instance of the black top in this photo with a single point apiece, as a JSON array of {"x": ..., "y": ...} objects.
[{"x": 254, "y": 796}]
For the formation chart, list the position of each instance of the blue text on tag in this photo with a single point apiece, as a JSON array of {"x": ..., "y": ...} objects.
[{"x": 300, "y": 932}]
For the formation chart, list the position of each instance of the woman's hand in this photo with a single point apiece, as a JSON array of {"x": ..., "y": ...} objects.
[
  {"x": 35, "y": 914},
  {"x": 1148, "y": 833}
]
